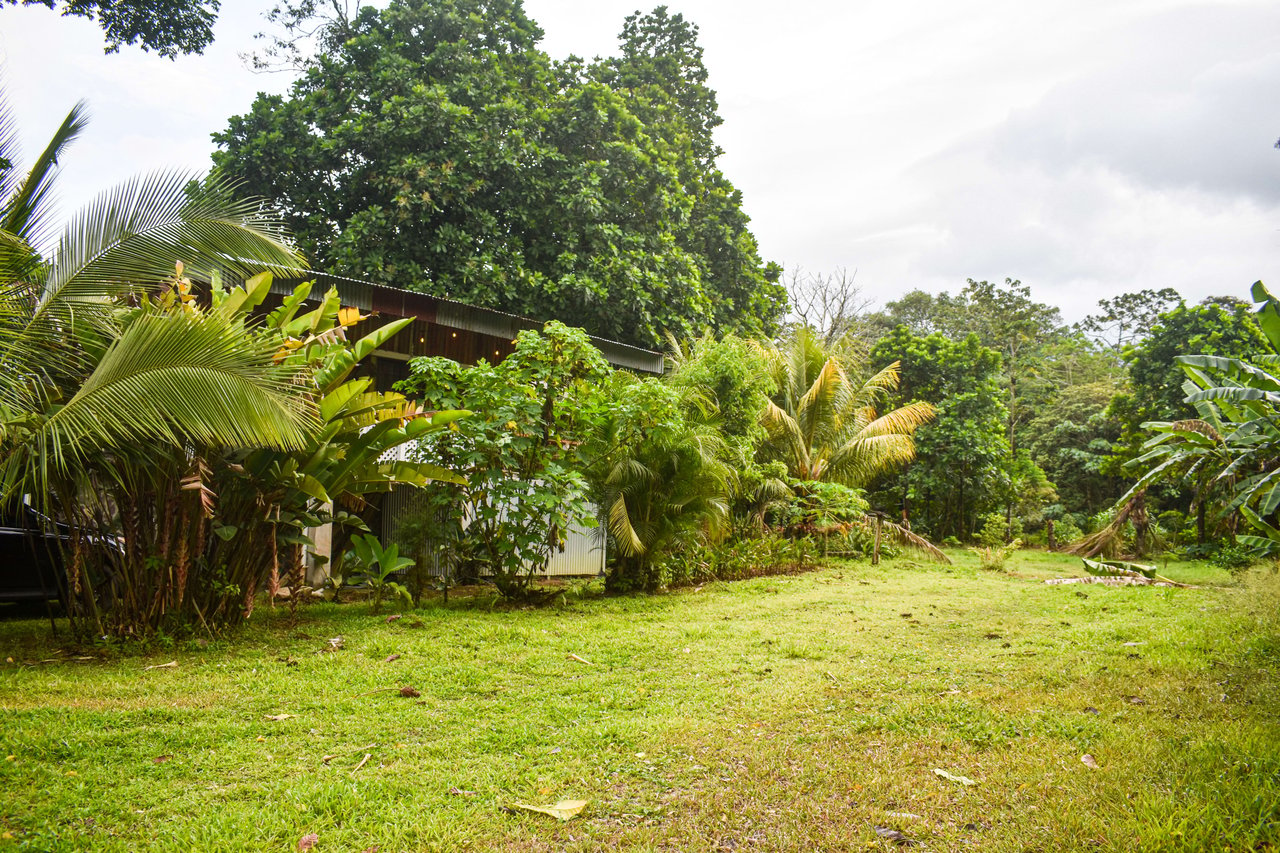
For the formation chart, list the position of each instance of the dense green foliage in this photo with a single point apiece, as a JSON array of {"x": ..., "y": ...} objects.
[
  {"x": 1229, "y": 455},
  {"x": 520, "y": 455},
  {"x": 185, "y": 444},
  {"x": 1155, "y": 377},
  {"x": 959, "y": 471},
  {"x": 433, "y": 146},
  {"x": 1073, "y": 404}
]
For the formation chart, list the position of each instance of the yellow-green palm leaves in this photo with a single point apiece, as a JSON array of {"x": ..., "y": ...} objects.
[
  {"x": 90, "y": 358},
  {"x": 823, "y": 421}
]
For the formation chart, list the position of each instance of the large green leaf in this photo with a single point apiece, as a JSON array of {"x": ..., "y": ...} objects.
[{"x": 181, "y": 379}]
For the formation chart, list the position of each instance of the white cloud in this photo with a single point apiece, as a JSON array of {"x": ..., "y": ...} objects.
[{"x": 1087, "y": 147}]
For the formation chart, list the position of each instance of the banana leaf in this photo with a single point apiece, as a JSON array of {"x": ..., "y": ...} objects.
[{"x": 1118, "y": 569}]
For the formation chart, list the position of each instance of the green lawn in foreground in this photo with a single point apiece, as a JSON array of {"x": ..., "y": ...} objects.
[{"x": 790, "y": 713}]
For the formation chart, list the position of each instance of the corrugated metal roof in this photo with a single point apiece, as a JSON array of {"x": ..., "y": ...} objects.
[{"x": 452, "y": 314}]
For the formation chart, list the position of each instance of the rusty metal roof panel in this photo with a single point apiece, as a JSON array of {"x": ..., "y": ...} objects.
[{"x": 452, "y": 314}]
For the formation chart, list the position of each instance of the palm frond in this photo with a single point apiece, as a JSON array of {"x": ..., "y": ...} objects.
[
  {"x": 25, "y": 211},
  {"x": 863, "y": 458},
  {"x": 622, "y": 530},
  {"x": 903, "y": 420},
  {"x": 133, "y": 235},
  {"x": 785, "y": 438},
  {"x": 158, "y": 380},
  {"x": 900, "y": 535}
]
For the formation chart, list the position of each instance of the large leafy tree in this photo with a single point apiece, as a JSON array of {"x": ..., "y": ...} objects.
[
  {"x": 961, "y": 465},
  {"x": 433, "y": 146},
  {"x": 1128, "y": 318},
  {"x": 169, "y": 27}
]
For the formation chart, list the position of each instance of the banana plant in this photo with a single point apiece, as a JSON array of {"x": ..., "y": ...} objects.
[
  {"x": 342, "y": 460},
  {"x": 376, "y": 565},
  {"x": 1230, "y": 455}
]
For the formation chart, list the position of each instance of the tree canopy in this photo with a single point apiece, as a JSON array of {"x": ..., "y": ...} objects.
[
  {"x": 168, "y": 27},
  {"x": 435, "y": 147}
]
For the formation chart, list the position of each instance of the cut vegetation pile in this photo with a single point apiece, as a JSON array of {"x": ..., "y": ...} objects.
[{"x": 853, "y": 708}]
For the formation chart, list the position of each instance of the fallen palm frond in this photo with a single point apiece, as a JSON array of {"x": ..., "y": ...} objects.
[
  {"x": 900, "y": 535},
  {"x": 1118, "y": 568},
  {"x": 1122, "y": 569},
  {"x": 1137, "y": 580},
  {"x": 1109, "y": 541}
]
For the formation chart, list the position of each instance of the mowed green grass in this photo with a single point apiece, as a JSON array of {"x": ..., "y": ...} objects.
[{"x": 787, "y": 713}]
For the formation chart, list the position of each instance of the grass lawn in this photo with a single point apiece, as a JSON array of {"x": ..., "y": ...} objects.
[{"x": 790, "y": 713}]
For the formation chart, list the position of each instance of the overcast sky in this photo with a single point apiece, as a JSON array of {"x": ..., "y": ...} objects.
[{"x": 1086, "y": 148}]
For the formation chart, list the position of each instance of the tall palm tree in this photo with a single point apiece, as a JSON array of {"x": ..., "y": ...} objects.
[{"x": 822, "y": 419}]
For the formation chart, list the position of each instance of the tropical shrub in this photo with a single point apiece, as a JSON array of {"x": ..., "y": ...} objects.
[
  {"x": 183, "y": 441},
  {"x": 993, "y": 557},
  {"x": 520, "y": 454},
  {"x": 659, "y": 475},
  {"x": 734, "y": 559},
  {"x": 375, "y": 566}
]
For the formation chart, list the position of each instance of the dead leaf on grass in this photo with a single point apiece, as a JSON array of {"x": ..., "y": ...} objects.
[
  {"x": 393, "y": 617},
  {"x": 409, "y": 693},
  {"x": 579, "y": 659},
  {"x": 890, "y": 834},
  {"x": 161, "y": 759},
  {"x": 563, "y": 810},
  {"x": 308, "y": 841},
  {"x": 390, "y": 658},
  {"x": 276, "y": 718},
  {"x": 951, "y": 777},
  {"x": 1089, "y": 761},
  {"x": 173, "y": 664},
  {"x": 459, "y": 792},
  {"x": 1135, "y": 700}
]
